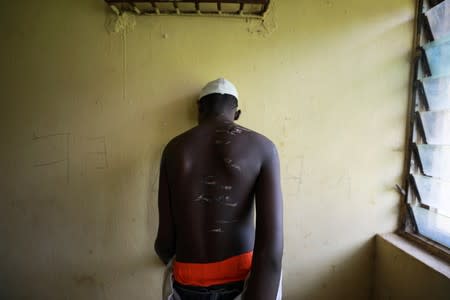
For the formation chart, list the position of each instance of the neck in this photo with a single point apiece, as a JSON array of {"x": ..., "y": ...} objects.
[{"x": 215, "y": 118}]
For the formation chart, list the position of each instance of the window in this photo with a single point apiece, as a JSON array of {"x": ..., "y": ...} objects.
[
  {"x": 428, "y": 164},
  {"x": 230, "y": 8}
]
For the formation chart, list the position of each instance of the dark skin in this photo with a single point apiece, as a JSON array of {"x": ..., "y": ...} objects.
[{"x": 210, "y": 178}]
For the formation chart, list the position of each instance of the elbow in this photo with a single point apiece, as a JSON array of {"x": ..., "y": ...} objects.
[
  {"x": 275, "y": 261},
  {"x": 157, "y": 247},
  {"x": 271, "y": 259},
  {"x": 164, "y": 252},
  {"x": 274, "y": 254}
]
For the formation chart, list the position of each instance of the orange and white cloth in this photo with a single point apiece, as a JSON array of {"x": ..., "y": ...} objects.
[{"x": 233, "y": 269}]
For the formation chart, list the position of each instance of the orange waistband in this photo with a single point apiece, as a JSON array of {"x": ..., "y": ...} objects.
[{"x": 232, "y": 269}]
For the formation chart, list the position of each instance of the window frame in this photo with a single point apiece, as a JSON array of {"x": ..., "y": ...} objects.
[
  {"x": 174, "y": 8},
  {"x": 407, "y": 226}
]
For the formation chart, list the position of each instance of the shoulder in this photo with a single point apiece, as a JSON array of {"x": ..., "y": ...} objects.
[
  {"x": 262, "y": 142},
  {"x": 177, "y": 142}
]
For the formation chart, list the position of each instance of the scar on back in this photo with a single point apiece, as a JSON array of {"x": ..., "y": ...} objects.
[
  {"x": 210, "y": 180},
  {"x": 222, "y": 142},
  {"x": 226, "y": 221},
  {"x": 232, "y": 130},
  {"x": 229, "y": 162},
  {"x": 202, "y": 198}
]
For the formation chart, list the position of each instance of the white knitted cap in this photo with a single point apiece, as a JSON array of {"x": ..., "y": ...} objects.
[{"x": 219, "y": 86}]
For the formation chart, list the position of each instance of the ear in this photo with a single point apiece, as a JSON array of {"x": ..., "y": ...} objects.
[{"x": 237, "y": 115}]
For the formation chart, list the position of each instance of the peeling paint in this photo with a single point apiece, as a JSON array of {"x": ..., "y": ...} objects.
[
  {"x": 265, "y": 27},
  {"x": 125, "y": 22},
  {"x": 86, "y": 66}
]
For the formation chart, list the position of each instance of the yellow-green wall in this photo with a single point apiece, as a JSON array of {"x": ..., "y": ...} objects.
[
  {"x": 399, "y": 275},
  {"x": 86, "y": 113}
]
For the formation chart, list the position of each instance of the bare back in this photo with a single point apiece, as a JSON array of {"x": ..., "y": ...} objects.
[
  {"x": 210, "y": 177},
  {"x": 212, "y": 170}
]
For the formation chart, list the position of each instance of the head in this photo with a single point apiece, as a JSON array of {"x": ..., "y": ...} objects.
[
  {"x": 219, "y": 98},
  {"x": 218, "y": 105}
]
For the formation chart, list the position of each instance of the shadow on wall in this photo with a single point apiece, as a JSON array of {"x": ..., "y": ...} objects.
[
  {"x": 337, "y": 280},
  {"x": 92, "y": 214},
  {"x": 82, "y": 243}
]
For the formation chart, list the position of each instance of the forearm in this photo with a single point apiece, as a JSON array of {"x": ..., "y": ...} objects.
[{"x": 265, "y": 276}]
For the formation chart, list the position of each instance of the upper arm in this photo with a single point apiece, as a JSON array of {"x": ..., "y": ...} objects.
[
  {"x": 269, "y": 206},
  {"x": 268, "y": 251},
  {"x": 165, "y": 240}
]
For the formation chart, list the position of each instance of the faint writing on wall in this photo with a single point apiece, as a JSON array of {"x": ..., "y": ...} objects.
[
  {"x": 293, "y": 176},
  {"x": 56, "y": 151},
  {"x": 97, "y": 155}
]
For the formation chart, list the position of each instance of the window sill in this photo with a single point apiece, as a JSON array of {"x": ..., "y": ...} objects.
[{"x": 410, "y": 248}]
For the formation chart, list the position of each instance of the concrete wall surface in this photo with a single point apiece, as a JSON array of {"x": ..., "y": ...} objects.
[
  {"x": 89, "y": 100},
  {"x": 400, "y": 275}
]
